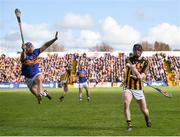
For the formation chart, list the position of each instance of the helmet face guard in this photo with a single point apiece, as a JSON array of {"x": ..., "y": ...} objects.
[
  {"x": 137, "y": 50},
  {"x": 29, "y": 47}
]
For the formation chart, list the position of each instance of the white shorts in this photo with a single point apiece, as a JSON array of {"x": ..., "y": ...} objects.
[
  {"x": 83, "y": 85},
  {"x": 31, "y": 81},
  {"x": 137, "y": 94},
  {"x": 61, "y": 83}
]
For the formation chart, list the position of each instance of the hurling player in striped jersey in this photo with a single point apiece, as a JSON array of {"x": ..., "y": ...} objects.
[{"x": 133, "y": 88}]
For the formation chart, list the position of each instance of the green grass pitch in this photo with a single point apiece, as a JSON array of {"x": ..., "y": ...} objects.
[{"x": 20, "y": 115}]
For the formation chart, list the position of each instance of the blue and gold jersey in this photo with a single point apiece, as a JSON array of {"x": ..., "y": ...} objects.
[
  {"x": 82, "y": 74},
  {"x": 30, "y": 66}
]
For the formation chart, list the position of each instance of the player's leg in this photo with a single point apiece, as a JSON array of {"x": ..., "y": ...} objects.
[
  {"x": 80, "y": 93},
  {"x": 47, "y": 95},
  {"x": 127, "y": 98},
  {"x": 87, "y": 93},
  {"x": 60, "y": 84},
  {"x": 39, "y": 82},
  {"x": 34, "y": 91},
  {"x": 144, "y": 109},
  {"x": 65, "y": 90},
  {"x": 33, "y": 88},
  {"x": 66, "y": 87}
]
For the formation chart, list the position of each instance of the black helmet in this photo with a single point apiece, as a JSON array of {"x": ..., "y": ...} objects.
[
  {"x": 28, "y": 44},
  {"x": 138, "y": 46}
]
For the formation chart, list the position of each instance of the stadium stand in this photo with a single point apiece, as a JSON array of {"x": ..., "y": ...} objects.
[{"x": 101, "y": 66}]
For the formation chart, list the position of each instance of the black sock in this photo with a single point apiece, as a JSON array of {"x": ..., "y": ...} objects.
[{"x": 129, "y": 123}]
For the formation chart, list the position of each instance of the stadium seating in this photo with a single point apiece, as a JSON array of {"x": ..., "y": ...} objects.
[{"x": 103, "y": 67}]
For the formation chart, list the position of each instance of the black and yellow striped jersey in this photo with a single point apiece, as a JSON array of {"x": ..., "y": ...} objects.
[
  {"x": 70, "y": 70},
  {"x": 65, "y": 76},
  {"x": 141, "y": 66},
  {"x": 73, "y": 65}
]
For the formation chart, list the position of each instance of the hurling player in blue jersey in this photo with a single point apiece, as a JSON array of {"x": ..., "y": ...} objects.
[
  {"x": 82, "y": 78},
  {"x": 30, "y": 68}
]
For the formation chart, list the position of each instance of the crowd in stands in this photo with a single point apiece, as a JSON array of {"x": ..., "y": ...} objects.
[
  {"x": 157, "y": 70},
  {"x": 175, "y": 66},
  {"x": 106, "y": 68},
  {"x": 10, "y": 69}
]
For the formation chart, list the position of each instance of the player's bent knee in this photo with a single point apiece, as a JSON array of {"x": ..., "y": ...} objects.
[
  {"x": 34, "y": 93},
  {"x": 40, "y": 78}
]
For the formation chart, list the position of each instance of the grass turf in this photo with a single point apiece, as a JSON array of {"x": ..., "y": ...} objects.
[{"x": 103, "y": 116}]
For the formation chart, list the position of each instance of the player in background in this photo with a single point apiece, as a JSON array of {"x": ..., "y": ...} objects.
[
  {"x": 63, "y": 82},
  {"x": 133, "y": 88},
  {"x": 82, "y": 76},
  {"x": 67, "y": 78},
  {"x": 30, "y": 68}
]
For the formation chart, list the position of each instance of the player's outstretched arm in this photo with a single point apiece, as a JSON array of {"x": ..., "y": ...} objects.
[{"x": 49, "y": 43}]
